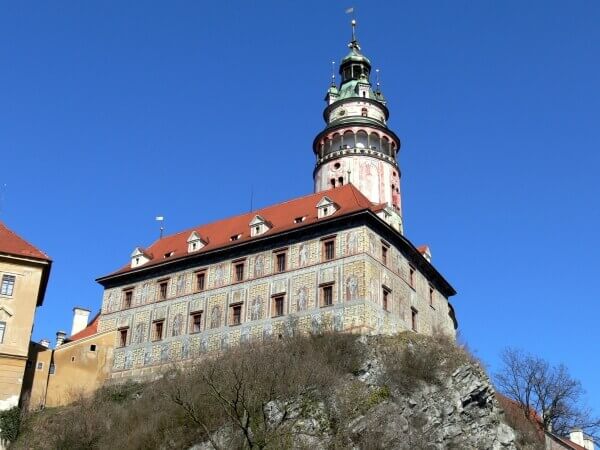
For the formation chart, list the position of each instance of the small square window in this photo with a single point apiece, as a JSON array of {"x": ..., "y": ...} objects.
[
  {"x": 127, "y": 298},
  {"x": 327, "y": 295},
  {"x": 196, "y": 326},
  {"x": 281, "y": 262},
  {"x": 239, "y": 272},
  {"x": 411, "y": 276},
  {"x": 278, "y": 303},
  {"x": 329, "y": 250},
  {"x": 431, "y": 295},
  {"x": 236, "y": 314},
  {"x": 384, "y": 251},
  {"x": 200, "y": 281},
  {"x": 414, "y": 318},
  {"x": 93, "y": 348},
  {"x": 157, "y": 331},
  {"x": 123, "y": 337},
  {"x": 8, "y": 285},
  {"x": 72, "y": 359},
  {"x": 163, "y": 290},
  {"x": 52, "y": 369},
  {"x": 385, "y": 300},
  {"x": 2, "y": 331},
  {"x": 39, "y": 366}
]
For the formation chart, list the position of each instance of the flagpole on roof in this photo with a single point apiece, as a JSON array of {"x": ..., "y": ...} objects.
[{"x": 162, "y": 228}]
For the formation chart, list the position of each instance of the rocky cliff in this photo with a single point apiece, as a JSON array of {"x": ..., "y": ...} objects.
[{"x": 324, "y": 392}]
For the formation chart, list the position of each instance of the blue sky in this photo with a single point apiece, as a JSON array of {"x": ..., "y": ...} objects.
[{"x": 114, "y": 112}]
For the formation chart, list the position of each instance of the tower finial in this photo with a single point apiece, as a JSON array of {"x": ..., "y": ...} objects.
[
  {"x": 353, "y": 30},
  {"x": 333, "y": 73},
  {"x": 378, "y": 85}
]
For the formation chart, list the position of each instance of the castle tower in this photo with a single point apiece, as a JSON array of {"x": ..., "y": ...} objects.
[{"x": 356, "y": 145}]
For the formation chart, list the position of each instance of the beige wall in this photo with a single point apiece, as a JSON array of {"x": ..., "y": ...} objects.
[
  {"x": 78, "y": 370},
  {"x": 36, "y": 376},
  {"x": 17, "y": 311}
]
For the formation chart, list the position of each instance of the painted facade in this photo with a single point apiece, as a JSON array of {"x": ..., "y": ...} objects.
[{"x": 357, "y": 275}]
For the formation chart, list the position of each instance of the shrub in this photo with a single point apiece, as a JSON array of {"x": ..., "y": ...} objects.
[
  {"x": 410, "y": 359},
  {"x": 10, "y": 422}
]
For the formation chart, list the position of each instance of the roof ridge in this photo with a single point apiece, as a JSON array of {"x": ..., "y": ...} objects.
[
  {"x": 21, "y": 241},
  {"x": 255, "y": 212}
]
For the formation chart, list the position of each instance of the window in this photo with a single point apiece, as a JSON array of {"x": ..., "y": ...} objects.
[
  {"x": 93, "y": 348},
  {"x": 235, "y": 237},
  {"x": 414, "y": 314},
  {"x": 8, "y": 285},
  {"x": 127, "y": 297},
  {"x": 72, "y": 359},
  {"x": 299, "y": 219},
  {"x": 157, "y": 332},
  {"x": 329, "y": 249},
  {"x": 239, "y": 272},
  {"x": 162, "y": 290},
  {"x": 384, "y": 254},
  {"x": 386, "y": 295},
  {"x": 278, "y": 305},
  {"x": 431, "y": 295},
  {"x": 52, "y": 369},
  {"x": 196, "y": 322},
  {"x": 236, "y": 314},
  {"x": 123, "y": 337},
  {"x": 2, "y": 331},
  {"x": 39, "y": 366},
  {"x": 200, "y": 281},
  {"x": 327, "y": 295},
  {"x": 281, "y": 262},
  {"x": 363, "y": 112},
  {"x": 411, "y": 276}
]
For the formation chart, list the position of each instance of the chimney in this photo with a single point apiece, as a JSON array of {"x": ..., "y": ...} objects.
[
  {"x": 60, "y": 338},
  {"x": 80, "y": 319},
  {"x": 576, "y": 435},
  {"x": 588, "y": 442},
  {"x": 45, "y": 343}
]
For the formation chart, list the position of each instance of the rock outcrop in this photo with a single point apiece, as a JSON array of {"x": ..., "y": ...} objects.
[{"x": 461, "y": 412}]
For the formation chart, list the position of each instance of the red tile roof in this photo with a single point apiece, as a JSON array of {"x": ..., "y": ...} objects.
[
  {"x": 12, "y": 244},
  {"x": 280, "y": 217},
  {"x": 91, "y": 328},
  {"x": 512, "y": 407}
]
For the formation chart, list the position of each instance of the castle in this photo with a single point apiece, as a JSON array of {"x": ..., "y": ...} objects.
[{"x": 336, "y": 259}]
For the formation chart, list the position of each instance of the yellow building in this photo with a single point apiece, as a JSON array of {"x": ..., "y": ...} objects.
[
  {"x": 24, "y": 272},
  {"x": 76, "y": 367}
]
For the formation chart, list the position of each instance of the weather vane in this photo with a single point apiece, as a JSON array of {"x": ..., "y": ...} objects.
[{"x": 162, "y": 228}]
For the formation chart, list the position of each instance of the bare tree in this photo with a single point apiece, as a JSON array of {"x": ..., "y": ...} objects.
[{"x": 545, "y": 392}]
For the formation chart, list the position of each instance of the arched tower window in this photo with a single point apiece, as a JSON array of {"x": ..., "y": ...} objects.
[
  {"x": 348, "y": 140},
  {"x": 336, "y": 142},
  {"x": 364, "y": 112},
  {"x": 385, "y": 145},
  {"x": 362, "y": 140},
  {"x": 374, "y": 141},
  {"x": 341, "y": 181}
]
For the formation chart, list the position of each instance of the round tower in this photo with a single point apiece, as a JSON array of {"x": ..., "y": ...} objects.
[{"x": 356, "y": 145}]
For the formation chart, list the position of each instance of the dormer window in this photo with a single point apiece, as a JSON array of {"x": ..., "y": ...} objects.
[
  {"x": 169, "y": 254},
  {"x": 300, "y": 219},
  {"x": 258, "y": 226},
  {"x": 139, "y": 257},
  {"x": 235, "y": 237},
  {"x": 326, "y": 207},
  {"x": 195, "y": 242}
]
